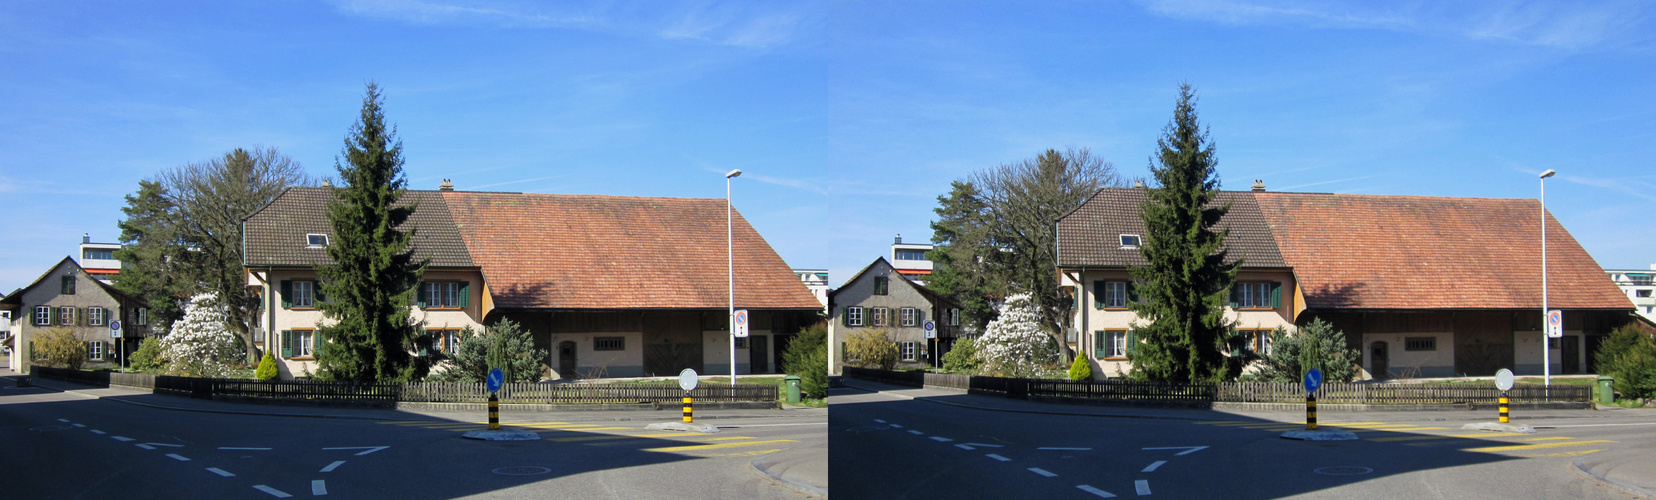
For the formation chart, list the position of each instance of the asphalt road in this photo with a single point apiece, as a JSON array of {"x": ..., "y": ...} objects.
[
  {"x": 887, "y": 447},
  {"x": 61, "y": 445}
]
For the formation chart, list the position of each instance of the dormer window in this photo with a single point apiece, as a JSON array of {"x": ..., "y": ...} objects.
[
  {"x": 314, "y": 240},
  {"x": 1129, "y": 241}
]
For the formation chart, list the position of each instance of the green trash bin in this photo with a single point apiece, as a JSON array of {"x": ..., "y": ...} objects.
[
  {"x": 1607, "y": 390},
  {"x": 793, "y": 388}
]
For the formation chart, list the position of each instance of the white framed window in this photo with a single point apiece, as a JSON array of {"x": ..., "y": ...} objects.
[
  {"x": 451, "y": 341},
  {"x": 1130, "y": 241},
  {"x": 609, "y": 343},
  {"x": 95, "y": 316},
  {"x": 66, "y": 316},
  {"x": 316, "y": 240},
  {"x": 954, "y": 317},
  {"x": 43, "y": 315},
  {"x": 1118, "y": 343},
  {"x": 304, "y": 294},
  {"x": 304, "y": 343},
  {"x": 1253, "y": 296},
  {"x": 910, "y": 316},
  {"x": 853, "y": 316},
  {"x": 1420, "y": 343},
  {"x": 1258, "y": 341},
  {"x": 881, "y": 316},
  {"x": 741, "y": 343},
  {"x": 442, "y": 294},
  {"x": 95, "y": 350},
  {"x": 143, "y": 316},
  {"x": 908, "y": 351},
  {"x": 1115, "y": 294}
]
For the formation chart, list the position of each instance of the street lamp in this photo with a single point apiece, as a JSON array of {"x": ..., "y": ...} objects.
[
  {"x": 730, "y": 263},
  {"x": 1546, "y": 341}
]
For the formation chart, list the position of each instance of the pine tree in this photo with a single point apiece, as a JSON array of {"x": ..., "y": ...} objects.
[
  {"x": 149, "y": 243},
  {"x": 962, "y": 235},
  {"x": 371, "y": 283},
  {"x": 1185, "y": 285}
]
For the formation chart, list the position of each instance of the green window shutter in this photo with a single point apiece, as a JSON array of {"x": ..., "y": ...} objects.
[
  {"x": 1132, "y": 292},
  {"x": 1098, "y": 295},
  {"x": 1235, "y": 297},
  {"x": 316, "y": 288},
  {"x": 425, "y": 347},
  {"x": 51, "y": 313},
  {"x": 1132, "y": 342},
  {"x": 419, "y": 295},
  {"x": 845, "y": 316},
  {"x": 465, "y": 294},
  {"x": 1276, "y": 294},
  {"x": 842, "y": 352},
  {"x": 1100, "y": 349},
  {"x": 287, "y": 294},
  {"x": 287, "y": 342}
]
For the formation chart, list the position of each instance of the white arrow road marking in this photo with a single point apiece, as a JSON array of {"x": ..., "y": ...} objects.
[
  {"x": 969, "y": 446},
  {"x": 1095, "y": 491},
  {"x": 1041, "y": 471},
  {"x": 121, "y": 438},
  {"x": 1153, "y": 466},
  {"x": 220, "y": 472},
  {"x": 177, "y": 457},
  {"x": 319, "y": 488},
  {"x": 242, "y": 448},
  {"x": 333, "y": 466},
  {"x": 371, "y": 449},
  {"x": 1187, "y": 449},
  {"x": 151, "y": 446},
  {"x": 941, "y": 439},
  {"x": 272, "y": 491},
  {"x": 1063, "y": 449},
  {"x": 998, "y": 457},
  {"x": 1142, "y": 486}
]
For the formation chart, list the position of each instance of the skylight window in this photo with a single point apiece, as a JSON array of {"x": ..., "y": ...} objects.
[
  {"x": 316, "y": 240},
  {"x": 1129, "y": 241}
]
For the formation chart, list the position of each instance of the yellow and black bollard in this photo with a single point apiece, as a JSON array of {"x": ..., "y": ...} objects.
[
  {"x": 1310, "y": 411},
  {"x": 494, "y": 412},
  {"x": 687, "y": 405},
  {"x": 1504, "y": 417}
]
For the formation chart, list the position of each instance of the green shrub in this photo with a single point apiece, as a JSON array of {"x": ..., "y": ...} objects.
[
  {"x": 1629, "y": 355},
  {"x": 267, "y": 368},
  {"x": 807, "y": 357},
  {"x": 148, "y": 357},
  {"x": 871, "y": 349},
  {"x": 963, "y": 357},
  {"x": 60, "y": 348},
  {"x": 1316, "y": 345},
  {"x": 1080, "y": 369},
  {"x": 506, "y": 345}
]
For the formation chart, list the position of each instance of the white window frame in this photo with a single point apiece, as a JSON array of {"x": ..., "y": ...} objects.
[
  {"x": 854, "y": 315},
  {"x": 95, "y": 316},
  {"x": 310, "y": 240},
  {"x": 908, "y": 351},
  {"x": 66, "y": 316},
  {"x": 143, "y": 316},
  {"x": 1255, "y": 295},
  {"x": 451, "y": 341},
  {"x": 619, "y": 343},
  {"x": 1118, "y": 343},
  {"x": 910, "y": 316},
  {"x": 304, "y": 294},
  {"x": 1266, "y": 340},
  {"x": 1135, "y": 243},
  {"x": 880, "y": 316},
  {"x": 43, "y": 316},
  {"x": 954, "y": 317},
  {"x": 95, "y": 350},
  {"x": 1115, "y": 294},
  {"x": 304, "y": 343}
]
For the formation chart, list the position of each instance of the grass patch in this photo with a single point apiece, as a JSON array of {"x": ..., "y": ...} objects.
[{"x": 777, "y": 380}]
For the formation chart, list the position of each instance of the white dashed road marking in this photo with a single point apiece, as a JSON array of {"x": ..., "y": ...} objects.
[
  {"x": 272, "y": 491},
  {"x": 220, "y": 472},
  {"x": 1153, "y": 466},
  {"x": 878, "y": 420},
  {"x": 941, "y": 439},
  {"x": 895, "y": 425},
  {"x": 371, "y": 449},
  {"x": 177, "y": 457},
  {"x": 319, "y": 488},
  {"x": 1063, "y": 449},
  {"x": 145, "y": 446},
  {"x": 1142, "y": 486},
  {"x": 121, "y": 438},
  {"x": 1095, "y": 491},
  {"x": 241, "y": 448},
  {"x": 78, "y": 425},
  {"x": 914, "y": 432},
  {"x": 95, "y": 431},
  {"x": 998, "y": 457},
  {"x": 333, "y": 466},
  {"x": 1187, "y": 449},
  {"x": 64, "y": 420},
  {"x": 1041, "y": 471}
]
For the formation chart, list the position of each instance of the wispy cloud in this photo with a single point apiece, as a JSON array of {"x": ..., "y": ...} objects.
[
  {"x": 1562, "y": 25},
  {"x": 519, "y": 181},
  {"x": 720, "y": 23},
  {"x": 1336, "y": 181},
  {"x": 1635, "y": 186}
]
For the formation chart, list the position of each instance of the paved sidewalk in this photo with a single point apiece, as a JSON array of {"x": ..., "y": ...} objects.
[
  {"x": 1632, "y": 471},
  {"x": 805, "y": 469}
]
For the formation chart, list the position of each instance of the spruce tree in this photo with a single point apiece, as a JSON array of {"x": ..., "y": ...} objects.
[
  {"x": 1184, "y": 288},
  {"x": 149, "y": 243},
  {"x": 371, "y": 283}
]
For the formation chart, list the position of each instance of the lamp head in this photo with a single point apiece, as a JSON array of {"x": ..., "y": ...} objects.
[
  {"x": 734, "y": 173},
  {"x": 1548, "y": 173}
]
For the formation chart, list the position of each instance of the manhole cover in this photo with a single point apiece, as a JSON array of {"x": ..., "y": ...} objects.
[
  {"x": 1343, "y": 470},
  {"x": 521, "y": 470}
]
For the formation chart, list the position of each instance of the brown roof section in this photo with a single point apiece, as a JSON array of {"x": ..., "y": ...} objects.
[
  {"x": 616, "y": 252},
  {"x": 275, "y": 235},
  {"x": 1417, "y": 252},
  {"x": 1090, "y": 235}
]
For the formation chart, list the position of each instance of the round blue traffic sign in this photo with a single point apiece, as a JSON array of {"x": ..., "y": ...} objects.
[
  {"x": 1313, "y": 380},
  {"x": 496, "y": 379}
]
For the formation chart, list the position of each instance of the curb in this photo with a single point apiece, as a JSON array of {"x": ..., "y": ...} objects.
[
  {"x": 207, "y": 410},
  {"x": 1582, "y": 470},
  {"x": 807, "y": 489},
  {"x": 1035, "y": 412}
]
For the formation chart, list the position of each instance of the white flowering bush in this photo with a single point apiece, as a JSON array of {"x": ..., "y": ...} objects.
[
  {"x": 199, "y": 344},
  {"x": 1015, "y": 344}
]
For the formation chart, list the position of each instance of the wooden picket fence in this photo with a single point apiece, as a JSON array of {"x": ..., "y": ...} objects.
[
  {"x": 1228, "y": 392},
  {"x": 421, "y": 392}
]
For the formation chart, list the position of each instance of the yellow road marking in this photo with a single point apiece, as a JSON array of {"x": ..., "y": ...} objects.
[
  {"x": 630, "y": 436},
  {"x": 1472, "y": 436},
  {"x": 1569, "y": 453},
  {"x": 1368, "y": 426},
  {"x": 1521, "y": 447},
  {"x": 746, "y": 453},
  {"x": 584, "y": 429},
  {"x": 671, "y": 449},
  {"x": 730, "y": 438},
  {"x": 1219, "y": 422},
  {"x": 1547, "y": 439},
  {"x": 1401, "y": 429}
]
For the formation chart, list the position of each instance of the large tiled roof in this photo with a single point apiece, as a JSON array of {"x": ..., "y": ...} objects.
[
  {"x": 1090, "y": 235},
  {"x": 1416, "y": 252},
  {"x": 615, "y": 252},
  {"x": 275, "y": 235}
]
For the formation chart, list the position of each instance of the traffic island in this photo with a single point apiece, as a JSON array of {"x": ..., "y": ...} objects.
[
  {"x": 683, "y": 427},
  {"x": 1499, "y": 427},
  {"x": 501, "y": 436},
  {"x": 1320, "y": 435}
]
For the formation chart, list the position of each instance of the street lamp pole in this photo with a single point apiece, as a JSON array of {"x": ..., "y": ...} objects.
[
  {"x": 1546, "y": 341},
  {"x": 730, "y": 263}
]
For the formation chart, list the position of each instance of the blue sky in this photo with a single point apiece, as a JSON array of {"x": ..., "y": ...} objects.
[{"x": 849, "y": 118}]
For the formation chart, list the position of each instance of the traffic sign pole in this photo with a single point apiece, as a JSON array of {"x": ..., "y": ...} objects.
[
  {"x": 494, "y": 412},
  {"x": 1310, "y": 411},
  {"x": 1504, "y": 416},
  {"x": 687, "y": 407}
]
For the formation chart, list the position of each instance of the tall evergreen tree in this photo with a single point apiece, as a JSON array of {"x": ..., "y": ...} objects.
[
  {"x": 371, "y": 284},
  {"x": 149, "y": 243},
  {"x": 1184, "y": 288},
  {"x": 963, "y": 240}
]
